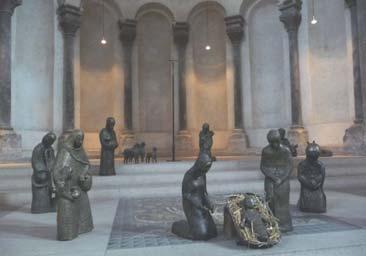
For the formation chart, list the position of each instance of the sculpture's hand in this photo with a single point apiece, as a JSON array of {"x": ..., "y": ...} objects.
[{"x": 277, "y": 181}]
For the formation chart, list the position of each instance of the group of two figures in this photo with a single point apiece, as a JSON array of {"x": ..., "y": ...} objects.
[
  {"x": 67, "y": 175},
  {"x": 277, "y": 165}
]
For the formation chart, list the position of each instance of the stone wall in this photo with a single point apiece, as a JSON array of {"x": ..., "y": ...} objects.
[{"x": 325, "y": 70}]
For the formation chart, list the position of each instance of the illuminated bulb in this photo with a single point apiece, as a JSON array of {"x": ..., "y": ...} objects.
[
  {"x": 314, "y": 21},
  {"x": 208, "y": 47},
  {"x": 103, "y": 41}
]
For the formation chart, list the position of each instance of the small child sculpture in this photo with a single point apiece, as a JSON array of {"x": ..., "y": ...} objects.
[{"x": 252, "y": 219}]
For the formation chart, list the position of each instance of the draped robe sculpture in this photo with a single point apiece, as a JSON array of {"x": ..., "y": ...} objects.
[
  {"x": 108, "y": 141},
  {"x": 73, "y": 181},
  {"x": 311, "y": 174},
  {"x": 276, "y": 165},
  {"x": 43, "y": 157}
]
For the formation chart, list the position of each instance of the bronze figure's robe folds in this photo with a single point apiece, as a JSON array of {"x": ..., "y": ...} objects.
[
  {"x": 108, "y": 141},
  {"x": 276, "y": 165},
  {"x": 311, "y": 174},
  {"x": 73, "y": 181},
  {"x": 43, "y": 158}
]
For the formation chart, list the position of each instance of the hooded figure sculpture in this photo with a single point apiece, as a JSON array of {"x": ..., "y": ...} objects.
[
  {"x": 276, "y": 165},
  {"x": 196, "y": 203},
  {"x": 72, "y": 181},
  {"x": 108, "y": 141},
  {"x": 311, "y": 174},
  {"x": 43, "y": 158}
]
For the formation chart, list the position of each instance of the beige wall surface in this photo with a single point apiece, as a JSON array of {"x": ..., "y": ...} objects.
[{"x": 325, "y": 69}]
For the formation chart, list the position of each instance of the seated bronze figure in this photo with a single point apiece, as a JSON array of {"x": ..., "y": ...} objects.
[
  {"x": 311, "y": 174},
  {"x": 196, "y": 203}
]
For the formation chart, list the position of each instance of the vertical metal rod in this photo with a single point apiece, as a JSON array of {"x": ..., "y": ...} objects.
[{"x": 173, "y": 109}]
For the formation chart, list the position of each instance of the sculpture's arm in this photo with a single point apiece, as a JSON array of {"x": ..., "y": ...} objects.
[
  {"x": 206, "y": 199},
  {"x": 194, "y": 200},
  {"x": 304, "y": 181},
  {"x": 61, "y": 176},
  {"x": 268, "y": 172}
]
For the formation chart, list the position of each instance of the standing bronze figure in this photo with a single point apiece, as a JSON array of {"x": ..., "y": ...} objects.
[
  {"x": 276, "y": 165},
  {"x": 311, "y": 174},
  {"x": 43, "y": 158},
  {"x": 73, "y": 181},
  {"x": 108, "y": 141}
]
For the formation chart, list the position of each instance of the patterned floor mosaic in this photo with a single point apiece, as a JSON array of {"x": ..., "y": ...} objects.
[{"x": 147, "y": 222}]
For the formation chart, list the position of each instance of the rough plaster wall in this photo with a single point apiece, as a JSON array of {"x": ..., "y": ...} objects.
[
  {"x": 33, "y": 61},
  {"x": 208, "y": 92},
  {"x": 154, "y": 40},
  {"x": 330, "y": 70},
  {"x": 267, "y": 59},
  {"x": 101, "y": 81},
  {"x": 329, "y": 65}
]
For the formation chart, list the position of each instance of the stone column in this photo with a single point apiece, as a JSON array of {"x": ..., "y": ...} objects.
[
  {"x": 184, "y": 142},
  {"x": 127, "y": 37},
  {"x": 291, "y": 18},
  {"x": 10, "y": 142},
  {"x": 69, "y": 21},
  {"x": 354, "y": 138},
  {"x": 238, "y": 141}
]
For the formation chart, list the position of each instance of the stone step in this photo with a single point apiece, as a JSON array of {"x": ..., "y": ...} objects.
[{"x": 20, "y": 197}]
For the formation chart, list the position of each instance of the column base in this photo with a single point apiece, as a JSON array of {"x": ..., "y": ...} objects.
[
  {"x": 126, "y": 140},
  {"x": 184, "y": 144},
  {"x": 298, "y": 135},
  {"x": 238, "y": 142},
  {"x": 354, "y": 139},
  {"x": 10, "y": 145}
]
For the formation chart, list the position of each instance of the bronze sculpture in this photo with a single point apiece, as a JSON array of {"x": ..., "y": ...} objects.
[
  {"x": 196, "y": 203},
  {"x": 252, "y": 219},
  {"x": 311, "y": 174},
  {"x": 152, "y": 156},
  {"x": 43, "y": 158},
  {"x": 276, "y": 165},
  {"x": 108, "y": 141},
  {"x": 73, "y": 181},
  {"x": 205, "y": 139},
  {"x": 286, "y": 142}
]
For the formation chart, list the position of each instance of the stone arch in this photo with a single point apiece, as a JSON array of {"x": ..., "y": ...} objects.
[
  {"x": 111, "y": 5},
  {"x": 197, "y": 9},
  {"x": 157, "y": 8}
]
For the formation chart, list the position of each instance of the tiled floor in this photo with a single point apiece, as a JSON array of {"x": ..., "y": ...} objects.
[
  {"x": 133, "y": 213},
  {"x": 146, "y": 222}
]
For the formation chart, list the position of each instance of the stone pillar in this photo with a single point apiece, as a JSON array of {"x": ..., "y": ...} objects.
[
  {"x": 291, "y": 18},
  {"x": 184, "y": 142},
  {"x": 238, "y": 141},
  {"x": 127, "y": 37},
  {"x": 69, "y": 21},
  {"x": 354, "y": 138},
  {"x": 10, "y": 142}
]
